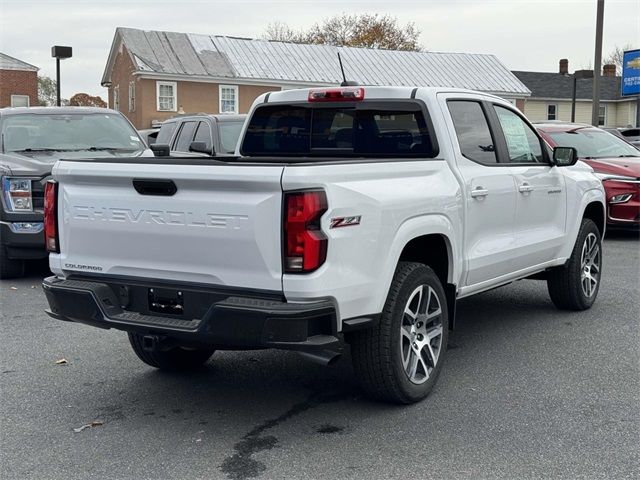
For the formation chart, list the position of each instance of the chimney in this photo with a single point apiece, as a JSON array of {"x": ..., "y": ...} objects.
[
  {"x": 564, "y": 66},
  {"x": 609, "y": 70}
]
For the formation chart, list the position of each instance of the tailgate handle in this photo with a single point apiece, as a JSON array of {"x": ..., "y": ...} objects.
[{"x": 150, "y": 186}]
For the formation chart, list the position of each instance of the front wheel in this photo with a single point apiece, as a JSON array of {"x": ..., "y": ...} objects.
[
  {"x": 400, "y": 358},
  {"x": 174, "y": 358},
  {"x": 575, "y": 285}
]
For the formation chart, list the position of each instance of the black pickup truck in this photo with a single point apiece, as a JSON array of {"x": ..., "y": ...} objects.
[{"x": 33, "y": 139}]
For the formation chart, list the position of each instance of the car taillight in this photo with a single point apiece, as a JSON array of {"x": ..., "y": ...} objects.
[
  {"x": 51, "y": 216},
  {"x": 305, "y": 246},
  {"x": 346, "y": 94}
]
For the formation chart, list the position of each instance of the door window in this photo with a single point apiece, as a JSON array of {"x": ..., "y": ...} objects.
[
  {"x": 185, "y": 136},
  {"x": 203, "y": 134},
  {"x": 473, "y": 131},
  {"x": 523, "y": 145}
]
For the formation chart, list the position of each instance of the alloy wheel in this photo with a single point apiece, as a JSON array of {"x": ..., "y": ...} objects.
[
  {"x": 421, "y": 334},
  {"x": 590, "y": 265}
]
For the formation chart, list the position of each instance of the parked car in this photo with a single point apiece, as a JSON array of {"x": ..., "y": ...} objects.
[
  {"x": 201, "y": 134},
  {"x": 356, "y": 214},
  {"x": 33, "y": 139},
  {"x": 631, "y": 135},
  {"x": 616, "y": 163},
  {"x": 149, "y": 135}
]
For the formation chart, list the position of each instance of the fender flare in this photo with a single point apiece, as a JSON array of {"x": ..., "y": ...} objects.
[
  {"x": 414, "y": 227},
  {"x": 593, "y": 195}
]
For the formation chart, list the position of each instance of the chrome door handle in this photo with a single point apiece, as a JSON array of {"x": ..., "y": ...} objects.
[
  {"x": 479, "y": 192},
  {"x": 525, "y": 188}
]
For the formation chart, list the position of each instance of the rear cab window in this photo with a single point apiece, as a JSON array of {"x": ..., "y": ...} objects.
[
  {"x": 166, "y": 132},
  {"x": 394, "y": 129}
]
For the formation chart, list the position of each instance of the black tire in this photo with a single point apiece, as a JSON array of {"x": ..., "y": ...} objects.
[
  {"x": 10, "y": 268},
  {"x": 378, "y": 352},
  {"x": 173, "y": 359},
  {"x": 565, "y": 283}
]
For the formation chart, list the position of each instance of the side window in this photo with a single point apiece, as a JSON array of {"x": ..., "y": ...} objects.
[
  {"x": 185, "y": 136},
  {"x": 473, "y": 131},
  {"x": 522, "y": 144},
  {"x": 203, "y": 134}
]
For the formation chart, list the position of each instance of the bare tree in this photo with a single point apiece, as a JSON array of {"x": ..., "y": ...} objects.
[
  {"x": 615, "y": 57},
  {"x": 280, "y": 32},
  {"x": 364, "y": 30}
]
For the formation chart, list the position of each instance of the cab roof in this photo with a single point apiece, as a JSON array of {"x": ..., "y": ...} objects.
[{"x": 55, "y": 110}]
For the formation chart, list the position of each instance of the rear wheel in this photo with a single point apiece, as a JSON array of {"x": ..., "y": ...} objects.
[
  {"x": 400, "y": 358},
  {"x": 575, "y": 285},
  {"x": 10, "y": 268},
  {"x": 174, "y": 358}
]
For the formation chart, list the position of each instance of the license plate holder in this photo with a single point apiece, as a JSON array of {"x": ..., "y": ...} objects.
[{"x": 166, "y": 301}]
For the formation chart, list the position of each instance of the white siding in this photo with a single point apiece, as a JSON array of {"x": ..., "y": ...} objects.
[{"x": 617, "y": 112}]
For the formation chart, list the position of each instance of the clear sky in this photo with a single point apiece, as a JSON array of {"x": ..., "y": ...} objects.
[{"x": 524, "y": 34}]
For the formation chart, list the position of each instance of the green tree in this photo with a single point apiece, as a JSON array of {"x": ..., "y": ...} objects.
[
  {"x": 364, "y": 30},
  {"x": 47, "y": 92}
]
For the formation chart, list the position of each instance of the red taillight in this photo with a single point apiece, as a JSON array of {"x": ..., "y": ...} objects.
[
  {"x": 305, "y": 246},
  {"x": 346, "y": 94},
  {"x": 51, "y": 216}
]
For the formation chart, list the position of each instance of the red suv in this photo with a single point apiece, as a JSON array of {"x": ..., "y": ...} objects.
[{"x": 615, "y": 162}]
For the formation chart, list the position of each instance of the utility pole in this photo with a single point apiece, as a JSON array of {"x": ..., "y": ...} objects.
[{"x": 597, "y": 67}]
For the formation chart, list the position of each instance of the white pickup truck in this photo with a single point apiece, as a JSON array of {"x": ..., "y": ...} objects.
[{"x": 352, "y": 215}]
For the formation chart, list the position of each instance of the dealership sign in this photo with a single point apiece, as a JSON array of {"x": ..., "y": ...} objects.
[{"x": 631, "y": 73}]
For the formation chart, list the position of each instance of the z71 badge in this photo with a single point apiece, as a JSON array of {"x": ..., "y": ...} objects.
[{"x": 340, "y": 222}]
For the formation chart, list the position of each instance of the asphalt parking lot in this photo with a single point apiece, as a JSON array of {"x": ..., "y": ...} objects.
[{"x": 526, "y": 392}]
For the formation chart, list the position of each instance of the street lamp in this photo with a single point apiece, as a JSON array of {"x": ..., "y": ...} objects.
[
  {"x": 578, "y": 75},
  {"x": 59, "y": 53}
]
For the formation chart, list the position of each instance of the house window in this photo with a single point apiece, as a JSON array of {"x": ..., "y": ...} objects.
[
  {"x": 602, "y": 115},
  {"x": 228, "y": 99},
  {"x": 132, "y": 96},
  {"x": 166, "y": 96},
  {"x": 116, "y": 98},
  {"x": 19, "y": 100},
  {"x": 552, "y": 112}
]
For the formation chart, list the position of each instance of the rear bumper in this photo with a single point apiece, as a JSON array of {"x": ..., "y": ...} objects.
[{"x": 228, "y": 321}]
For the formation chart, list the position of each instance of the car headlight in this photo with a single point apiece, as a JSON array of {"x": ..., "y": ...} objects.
[
  {"x": 17, "y": 194},
  {"x": 621, "y": 198},
  {"x": 610, "y": 176}
]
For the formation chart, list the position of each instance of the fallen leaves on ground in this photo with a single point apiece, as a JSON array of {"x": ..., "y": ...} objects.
[{"x": 95, "y": 423}]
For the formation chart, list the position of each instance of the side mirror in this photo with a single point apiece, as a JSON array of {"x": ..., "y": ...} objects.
[
  {"x": 160, "y": 149},
  {"x": 201, "y": 147},
  {"x": 565, "y": 156}
]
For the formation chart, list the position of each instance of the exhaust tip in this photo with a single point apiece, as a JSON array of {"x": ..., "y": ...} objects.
[{"x": 324, "y": 357}]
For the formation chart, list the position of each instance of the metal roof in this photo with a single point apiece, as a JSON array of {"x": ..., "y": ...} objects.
[
  {"x": 559, "y": 86},
  {"x": 284, "y": 63},
  {"x": 11, "y": 63}
]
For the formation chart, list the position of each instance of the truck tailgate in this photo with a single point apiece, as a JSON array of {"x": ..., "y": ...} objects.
[{"x": 222, "y": 225}]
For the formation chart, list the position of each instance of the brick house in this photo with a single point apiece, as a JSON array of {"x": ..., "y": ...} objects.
[
  {"x": 153, "y": 75},
  {"x": 18, "y": 83},
  {"x": 551, "y": 97}
]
